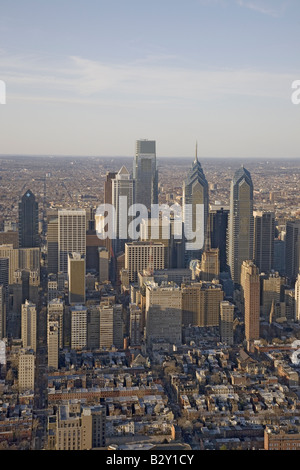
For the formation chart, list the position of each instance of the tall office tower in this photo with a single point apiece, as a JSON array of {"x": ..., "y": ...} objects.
[
  {"x": 93, "y": 327},
  {"x": 145, "y": 173},
  {"x": 143, "y": 255},
  {"x": 201, "y": 304},
  {"x": 34, "y": 286},
  {"x": 123, "y": 197},
  {"x": 292, "y": 250},
  {"x": 250, "y": 283},
  {"x": 71, "y": 235},
  {"x": 55, "y": 314},
  {"x": 297, "y": 298},
  {"x": 52, "y": 246},
  {"x": 240, "y": 243},
  {"x": 78, "y": 327},
  {"x": 264, "y": 236},
  {"x": 26, "y": 370},
  {"x": 110, "y": 176},
  {"x": 272, "y": 291},
  {"x": 226, "y": 322},
  {"x": 218, "y": 225},
  {"x": 93, "y": 422},
  {"x": 76, "y": 275},
  {"x": 4, "y": 278},
  {"x": 53, "y": 344},
  {"x": 279, "y": 256},
  {"x": 158, "y": 231},
  {"x": 195, "y": 192},
  {"x": 210, "y": 265},
  {"x": 7, "y": 251},
  {"x": 118, "y": 331},
  {"x": 29, "y": 258},
  {"x": 29, "y": 325},
  {"x": 28, "y": 221},
  {"x": 111, "y": 326},
  {"x": 103, "y": 264},
  {"x": 135, "y": 334},
  {"x": 163, "y": 313},
  {"x": 106, "y": 326},
  {"x": 289, "y": 304},
  {"x": 3, "y": 293}
]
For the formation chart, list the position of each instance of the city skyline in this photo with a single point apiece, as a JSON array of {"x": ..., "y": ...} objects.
[{"x": 216, "y": 71}]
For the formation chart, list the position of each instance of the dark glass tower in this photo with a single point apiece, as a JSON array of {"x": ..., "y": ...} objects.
[
  {"x": 241, "y": 223},
  {"x": 195, "y": 192},
  {"x": 28, "y": 221},
  {"x": 218, "y": 224},
  {"x": 145, "y": 173}
]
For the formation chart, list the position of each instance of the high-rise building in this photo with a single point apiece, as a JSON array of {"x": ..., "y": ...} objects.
[
  {"x": 71, "y": 235},
  {"x": 250, "y": 283},
  {"x": 292, "y": 250},
  {"x": 77, "y": 427},
  {"x": 201, "y": 304},
  {"x": 240, "y": 242},
  {"x": 210, "y": 264},
  {"x": 135, "y": 334},
  {"x": 123, "y": 197},
  {"x": 103, "y": 264},
  {"x": 163, "y": 313},
  {"x": 26, "y": 370},
  {"x": 55, "y": 314},
  {"x": 226, "y": 322},
  {"x": 3, "y": 293},
  {"x": 195, "y": 193},
  {"x": 93, "y": 326},
  {"x": 264, "y": 236},
  {"x": 297, "y": 298},
  {"x": 218, "y": 226},
  {"x": 145, "y": 173},
  {"x": 78, "y": 326},
  {"x": 52, "y": 246},
  {"x": 29, "y": 325},
  {"x": 28, "y": 221},
  {"x": 272, "y": 291},
  {"x": 8, "y": 251},
  {"x": 53, "y": 343},
  {"x": 143, "y": 255},
  {"x": 111, "y": 325},
  {"x": 76, "y": 277}
]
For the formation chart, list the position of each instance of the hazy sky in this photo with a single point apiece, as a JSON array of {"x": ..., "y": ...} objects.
[{"x": 91, "y": 77}]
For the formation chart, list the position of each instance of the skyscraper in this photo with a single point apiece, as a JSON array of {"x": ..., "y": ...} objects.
[
  {"x": 76, "y": 276},
  {"x": 264, "y": 235},
  {"x": 195, "y": 192},
  {"x": 218, "y": 225},
  {"x": 297, "y": 298},
  {"x": 240, "y": 243},
  {"x": 292, "y": 249},
  {"x": 226, "y": 322},
  {"x": 145, "y": 173},
  {"x": 123, "y": 196},
  {"x": 250, "y": 283},
  {"x": 28, "y": 221},
  {"x": 71, "y": 235},
  {"x": 143, "y": 255},
  {"x": 29, "y": 325},
  {"x": 163, "y": 313}
]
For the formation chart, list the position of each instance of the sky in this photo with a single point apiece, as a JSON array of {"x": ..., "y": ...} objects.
[{"x": 91, "y": 77}]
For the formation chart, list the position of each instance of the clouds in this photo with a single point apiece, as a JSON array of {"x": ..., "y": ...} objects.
[{"x": 153, "y": 80}]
